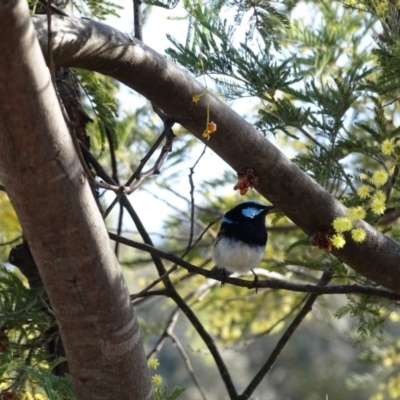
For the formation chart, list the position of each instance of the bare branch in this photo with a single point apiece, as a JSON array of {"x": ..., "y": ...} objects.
[
  {"x": 187, "y": 362},
  {"x": 192, "y": 196},
  {"x": 138, "y": 177},
  {"x": 171, "y": 322},
  {"x": 267, "y": 283},
  {"x": 137, "y": 19},
  {"x": 325, "y": 278}
]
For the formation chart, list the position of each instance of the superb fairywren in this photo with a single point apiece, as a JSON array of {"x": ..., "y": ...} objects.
[{"x": 241, "y": 240}]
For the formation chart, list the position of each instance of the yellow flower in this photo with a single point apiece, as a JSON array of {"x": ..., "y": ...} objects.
[
  {"x": 338, "y": 241},
  {"x": 356, "y": 213},
  {"x": 379, "y": 196},
  {"x": 342, "y": 224},
  {"x": 381, "y": 8},
  {"x": 387, "y": 147},
  {"x": 377, "y": 396},
  {"x": 378, "y": 207},
  {"x": 379, "y": 178},
  {"x": 153, "y": 363},
  {"x": 358, "y": 235},
  {"x": 196, "y": 98},
  {"x": 363, "y": 192},
  {"x": 157, "y": 380}
]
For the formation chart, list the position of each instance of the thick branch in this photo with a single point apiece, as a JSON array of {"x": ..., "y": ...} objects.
[
  {"x": 46, "y": 184},
  {"x": 95, "y": 46}
]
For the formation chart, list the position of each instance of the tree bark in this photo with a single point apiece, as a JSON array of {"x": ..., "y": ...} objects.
[
  {"x": 62, "y": 224},
  {"x": 94, "y": 46}
]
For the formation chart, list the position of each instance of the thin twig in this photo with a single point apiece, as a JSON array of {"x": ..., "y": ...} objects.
[
  {"x": 167, "y": 127},
  {"x": 200, "y": 223},
  {"x": 155, "y": 282},
  {"x": 325, "y": 278},
  {"x": 119, "y": 227},
  {"x": 171, "y": 322},
  {"x": 168, "y": 332},
  {"x": 174, "y": 267},
  {"x": 137, "y": 19},
  {"x": 136, "y": 175},
  {"x": 33, "y": 303},
  {"x": 340, "y": 166},
  {"x": 157, "y": 165},
  {"x": 180, "y": 196},
  {"x": 267, "y": 283},
  {"x": 187, "y": 362},
  {"x": 192, "y": 197},
  {"x": 50, "y": 60},
  {"x": 114, "y": 165}
]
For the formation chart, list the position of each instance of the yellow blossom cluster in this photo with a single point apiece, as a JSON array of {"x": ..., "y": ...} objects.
[
  {"x": 378, "y": 199},
  {"x": 344, "y": 224},
  {"x": 377, "y": 202}
]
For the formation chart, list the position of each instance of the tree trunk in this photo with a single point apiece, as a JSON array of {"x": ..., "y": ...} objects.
[{"x": 62, "y": 224}]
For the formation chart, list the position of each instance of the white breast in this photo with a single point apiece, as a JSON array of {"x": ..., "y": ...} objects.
[{"x": 237, "y": 256}]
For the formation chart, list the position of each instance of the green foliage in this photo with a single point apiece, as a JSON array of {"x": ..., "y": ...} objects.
[
  {"x": 55, "y": 387},
  {"x": 99, "y": 9},
  {"x": 164, "y": 393},
  {"x": 22, "y": 326},
  {"x": 103, "y": 105},
  {"x": 370, "y": 314}
]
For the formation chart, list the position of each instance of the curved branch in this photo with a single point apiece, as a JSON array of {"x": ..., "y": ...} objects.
[{"x": 95, "y": 46}]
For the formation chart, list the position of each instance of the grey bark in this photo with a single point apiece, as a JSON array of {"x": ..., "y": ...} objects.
[
  {"x": 91, "y": 45},
  {"x": 46, "y": 184}
]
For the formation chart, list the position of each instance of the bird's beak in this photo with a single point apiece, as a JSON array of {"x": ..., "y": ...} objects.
[{"x": 274, "y": 210}]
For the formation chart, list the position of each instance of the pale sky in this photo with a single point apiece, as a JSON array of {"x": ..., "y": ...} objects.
[{"x": 154, "y": 35}]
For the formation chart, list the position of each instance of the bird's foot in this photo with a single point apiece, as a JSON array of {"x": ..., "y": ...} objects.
[
  {"x": 221, "y": 274},
  {"x": 224, "y": 275},
  {"x": 256, "y": 280}
]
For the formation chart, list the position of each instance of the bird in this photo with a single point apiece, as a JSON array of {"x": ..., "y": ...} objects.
[{"x": 241, "y": 240}]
